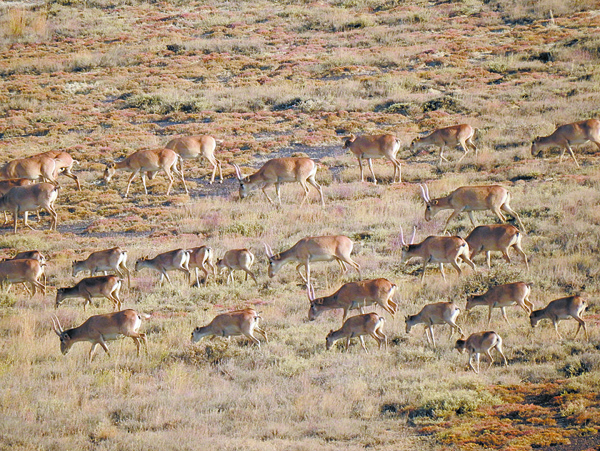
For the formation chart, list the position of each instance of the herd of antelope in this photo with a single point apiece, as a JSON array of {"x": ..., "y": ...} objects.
[{"x": 20, "y": 194}]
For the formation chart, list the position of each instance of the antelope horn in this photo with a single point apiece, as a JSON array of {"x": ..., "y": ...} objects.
[
  {"x": 412, "y": 238},
  {"x": 402, "y": 237},
  {"x": 56, "y": 325},
  {"x": 268, "y": 250},
  {"x": 238, "y": 172},
  {"x": 310, "y": 291},
  {"x": 424, "y": 192}
]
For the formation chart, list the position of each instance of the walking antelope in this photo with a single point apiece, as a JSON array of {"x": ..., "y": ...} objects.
[
  {"x": 478, "y": 343},
  {"x": 314, "y": 249},
  {"x": 376, "y": 146},
  {"x": 192, "y": 147},
  {"x": 559, "y": 309},
  {"x": 357, "y": 326},
  {"x": 437, "y": 313},
  {"x": 39, "y": 167},
  {"x": 437, "y": 249},
  {"x": 502, "y": 296},
  {"x": 448, "y": 137},
  {"x": 92, "y": 287},
  {"x": 175, "y": 260},
  {"x": 469, "y": 199},
  {"x": 35, "y": 255},
  {"x": 99, "y": 329},
  {"x": 31, "y": 198},
  {"x": 23, "y": 271},
  {"x": 496, "y": 237},
  {"x": 239, "y": 322},
  {"x": 201, "y": 257},
  {"x": 278, "y": 171},
  {"x": 63, "y": 164},
  {"x": 7, "y": 185},
  {"x": 114, "y": 259},
  {"x": 569, "y": 135},
  {"x": 148, "y": 162},
  {"x": 237, "y": 259},
  {"x": 354, "y": 295}
]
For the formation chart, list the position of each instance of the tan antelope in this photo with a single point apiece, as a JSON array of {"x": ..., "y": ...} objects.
[
  {"x": 63, "y": 164},
  {"x": 278, "y": 171},
  {"x": 35, "y": 255},
  {"x": 175, "y": 260},
  {"x": 358, "y": 326},
  {"x": 436, "y": 313},
  {"x": 448, "y": 137},
  {"x": 239, "y": 322},
  {"x": 354, "y": 295},
  {"x": 31, "y": 198},
  {"x": 39, "y": 167},
  {"x": 478, "y": 343},
  {"x": 149, "y": 162},
  {"x": 192, "y": 147},
  {"x": 314, "y": 249},
  {"x": 201, "y": 257},
  {"x": 23, "y": 271},
  {"x": 376, "y": 146},
  {"x": 92, "y": 287},
  {"x": 99, "y": 329},
  {"x": 237, "y": 259},
  {"x": 114, "y": 259},
  {"x": 7, "y": 185},
  {"x": 496, "y": 237},
  {"x": 569, "y": 135},
  {"x": 559, "y": 309},
  {"x": 469, "y": 199},
  {"x": 437, "y": 249},
  {"x": 502, "y": 296}
]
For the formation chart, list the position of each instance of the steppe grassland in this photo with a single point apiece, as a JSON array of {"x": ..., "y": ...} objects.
[{"x": 96, "y": 78}]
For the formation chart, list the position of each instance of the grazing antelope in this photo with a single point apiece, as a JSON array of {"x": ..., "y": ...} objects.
[
  {"x": 23, "y": 271},
  {"x": 192, "y": 147},
  {"x": 437, "y": 249},
  {"x": 92, "y": 287},
  {"x": 38, "y": 167},
  {"x": 35, "y": 255},
  {"x": 495, "y": 237},
  {"x": 237, "y": 259},
  {"x": 559, "y": 309},
  {"x": 376, "y": 146},
  {"x": 354, "y": 295},
  {"x": 31, "y": 198},
  {"x": 357, "y": 326},
  {"x": 200, "y": 257},
  {"x": 147, "y": 162},
  {"x": 314, "y": 249},
  {"x": 569, "y": 135},
  {"x": 278, "y": 171},
  {"x": 469, "y": 199},
  {"x": 99, "y": 329},
  {"x": 63, "y": 164},
  {"x": 478, "y": 343},
  {"x": 177, "y": 259},
  {"x": 502, "y": 296},
  {"x": 114, "y": 259},
  {"x": 448, "y": 137},
  {"x": 239, "y": 322},
  {"x": 437, "y": 313}
]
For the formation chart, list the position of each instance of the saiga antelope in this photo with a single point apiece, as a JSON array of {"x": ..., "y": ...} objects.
[
  {"x": 38, "y": 167},
  {"x": 35, "y": 255},
  {"x": 569, "y": 135},
  {"x": 502, "y": 296},
  {"x": 31, "y": 198},
  {"x": 237, "y": 259},
  {"x": 496, "y": 237},
  {"x": 99, "y": 329},
  {"x": 114, "y": 259},
  {"x": 7, "y": 185},
  {"x": 469, "y": 199},
  {"x": 278, "y": 171},
  {"x": 559, "y": 309},
  {"x": 314, "y": 249},
  {"x": 239, "y": 322},
  {"x": 437, "y": 313},
  {"x": 478, "y": 343},
  {"x": 177, "y": 259},
  {"x": 147, "y": 162},
  {"x": 201, "y": 257},
  {"x": 23, "y": 271},
  {"x": 354, "y": 295},
  {"x": 376, "y": 146},
  {"x": 192, "y": 147},
  {"x": 437, "y": 249},
  {"x": 92, "y": 287},
  {"x": 357, "y": 326},
  {"x": 448, "y": 137},
  {"x": 63, "y": 164}
]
